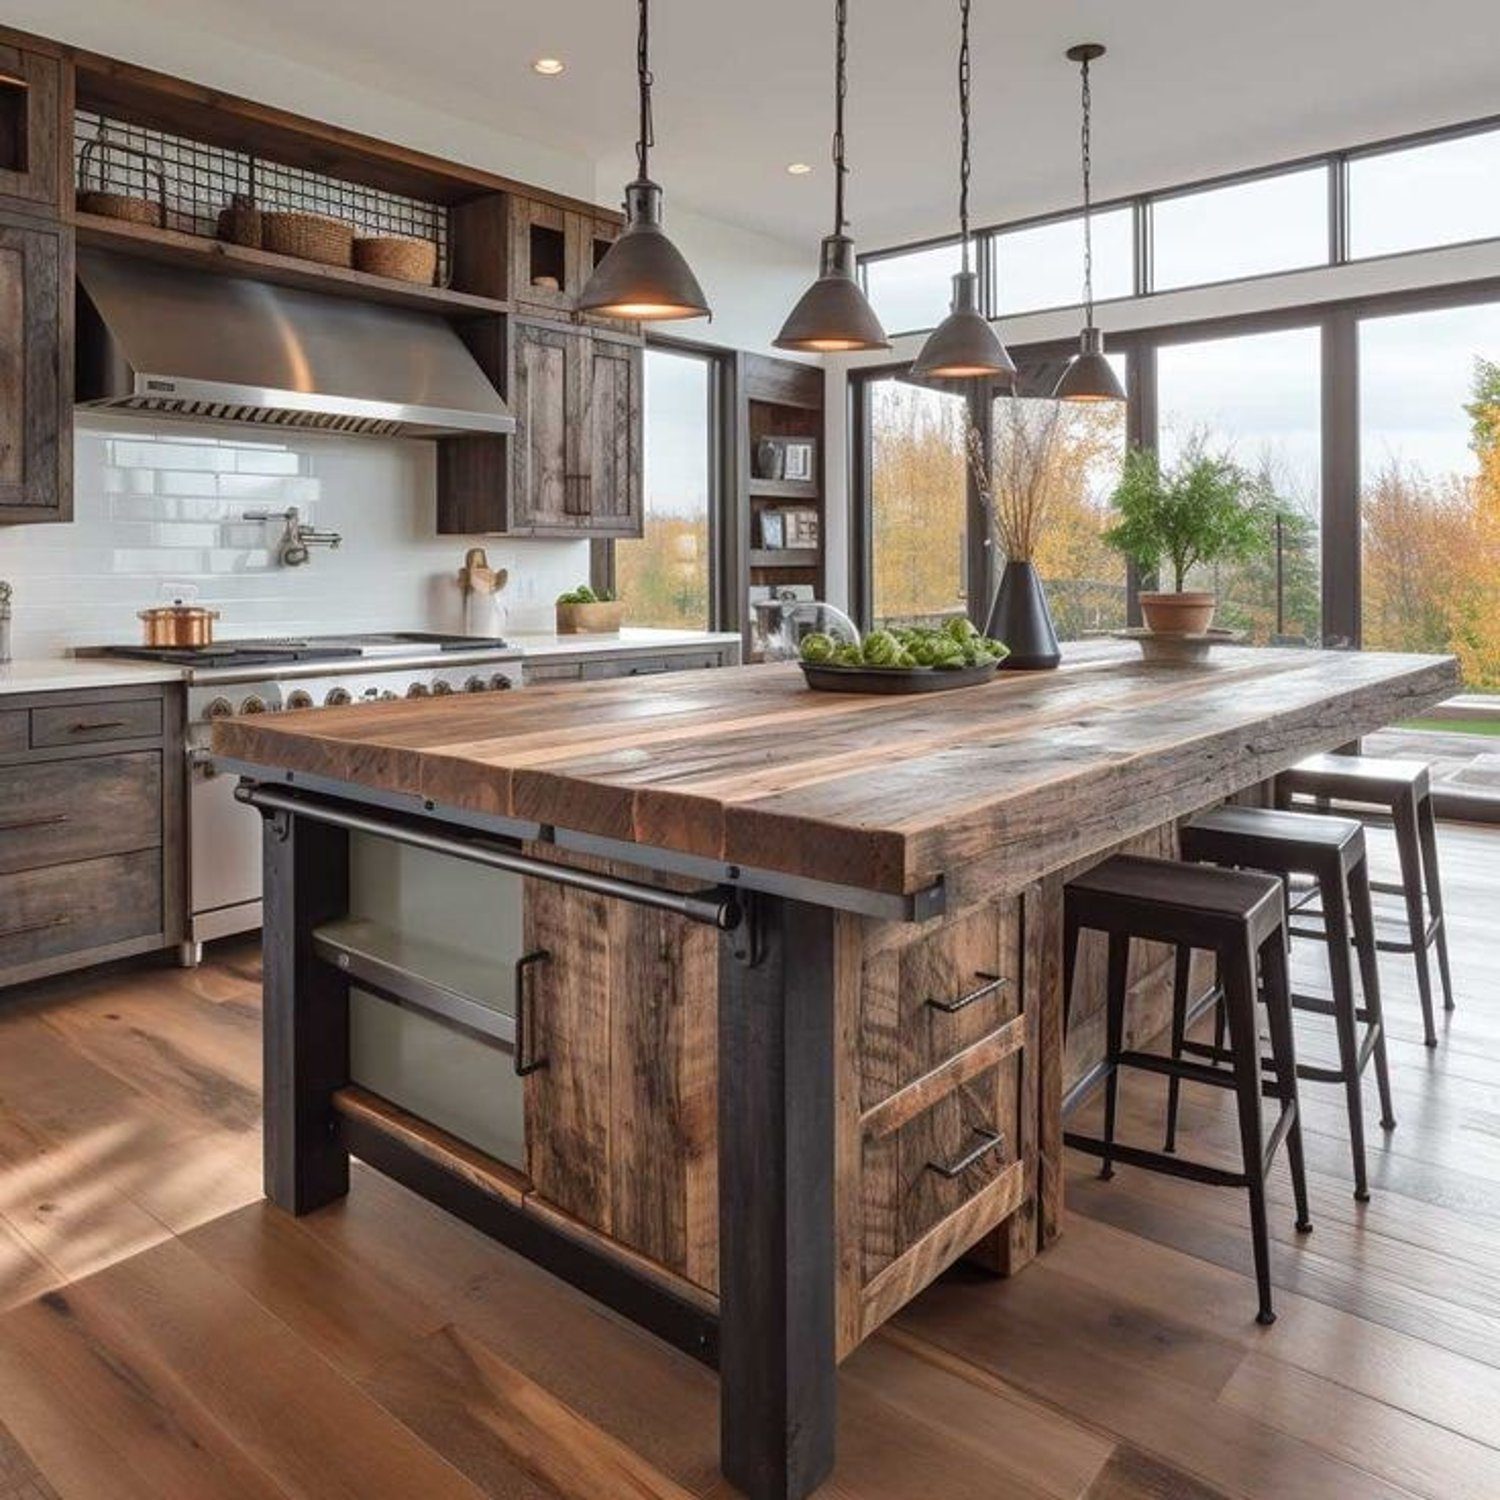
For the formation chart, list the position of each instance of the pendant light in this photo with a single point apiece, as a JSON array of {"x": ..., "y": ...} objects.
[
  {"x": 833, "y": 315},
  {"x": 964, "y": 346},
  {"x": 1090, "y": 376},
  {"x": 643, "y": 276}
]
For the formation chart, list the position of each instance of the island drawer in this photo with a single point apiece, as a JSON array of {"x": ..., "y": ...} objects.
[
  {"x": 925, "y": 999},
  {"x": 88, "y": 905},
  {"x": 89, "y": 723},
  {"x": 57, "y": 811}
]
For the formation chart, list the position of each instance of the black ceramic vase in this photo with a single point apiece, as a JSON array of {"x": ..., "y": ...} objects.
[{"x": 1020, "y": 618}]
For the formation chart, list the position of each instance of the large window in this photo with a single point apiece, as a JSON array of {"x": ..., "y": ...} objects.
[
  {"x": 1430, "y": 485},
  {"x": 1249, "y": 228},
  {"x": 1257, "y": 397},
  {"x": 667, "y": 576},
  {"x": 1440, "y": 193},
  {"x": 1041, "y": 265},
  {"x": 913, "y": 290},
  {"x": 918, "y": 502}
]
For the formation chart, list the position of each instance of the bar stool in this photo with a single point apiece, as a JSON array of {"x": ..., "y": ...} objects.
[
  {"x": 1332, "y": 852},
  {"x": 1403, "y": 788},
  {"x": 1238, "y": 916}
]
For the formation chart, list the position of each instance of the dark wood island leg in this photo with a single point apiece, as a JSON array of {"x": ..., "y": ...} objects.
[
  {"x": 306, "y": 1013},
  {"x": 776, "y": 1206}
]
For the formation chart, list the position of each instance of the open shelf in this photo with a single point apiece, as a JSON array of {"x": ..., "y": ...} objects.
[
  {"x": 784, "y": 557},
  {"x": 174, "y": 247},
  {"x": 783, "y": 489}
]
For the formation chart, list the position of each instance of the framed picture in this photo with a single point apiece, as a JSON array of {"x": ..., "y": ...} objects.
[
  {"x": 801, "y": 527},
  {"x": 772, "y": 530},
  {"x": 801, "y": 458}
]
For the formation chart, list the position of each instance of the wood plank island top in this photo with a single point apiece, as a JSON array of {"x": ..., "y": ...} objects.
[{"x": 745, "y": 765}]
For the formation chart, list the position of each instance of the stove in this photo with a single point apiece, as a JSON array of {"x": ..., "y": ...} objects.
[{"x": 284, "y": 675}]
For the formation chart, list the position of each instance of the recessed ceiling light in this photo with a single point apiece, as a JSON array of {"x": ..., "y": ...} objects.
[
  {"x": 548, "y": 67},
  {"x": 799, "y": 168}
]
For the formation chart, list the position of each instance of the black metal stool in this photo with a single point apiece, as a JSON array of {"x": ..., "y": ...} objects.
[
  {"x": 1332, "y": 852},
  {"x": 1238, "y": 916},
  {"x": 1403, "y": 789}
]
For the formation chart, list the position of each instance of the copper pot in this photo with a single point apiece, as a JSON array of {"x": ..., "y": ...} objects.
[{"x": 179, "y": 624}]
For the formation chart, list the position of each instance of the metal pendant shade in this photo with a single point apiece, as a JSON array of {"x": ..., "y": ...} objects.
[
  {"x": 833, "y": 316},
  {"x": 643, "y": 276},
  {"x": 1090, "y": 376},
  {"x": 964, "y": 346}
]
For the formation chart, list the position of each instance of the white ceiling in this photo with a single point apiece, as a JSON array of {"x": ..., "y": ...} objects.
[{"x": 1190, "y": 88}]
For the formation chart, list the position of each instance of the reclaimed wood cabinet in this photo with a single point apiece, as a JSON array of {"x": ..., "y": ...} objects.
[
  {"x": 35, "y": 170},
  {"x": 36, "y": 370},
  {"x": 91, "y": 787}
]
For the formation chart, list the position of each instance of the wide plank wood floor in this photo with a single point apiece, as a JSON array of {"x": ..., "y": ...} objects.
[{"x": 166, "y": 1335}]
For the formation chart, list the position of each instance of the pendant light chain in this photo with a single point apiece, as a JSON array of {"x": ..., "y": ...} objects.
[
  {"x": 840, "y": 92},
  {"x": 963, "y": 136},
  {"x": 1088, "y": 199},
  {"x": 647, "y": 138}
]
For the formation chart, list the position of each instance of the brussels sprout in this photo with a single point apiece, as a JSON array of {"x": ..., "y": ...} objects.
[
  {"x": 904, "y": 658},
  {"x": 818, "y": 647},
  {"x": 881, "y": 649},
  {"x": 848, "y": 655},
  {"x": 961, "y": 629}
]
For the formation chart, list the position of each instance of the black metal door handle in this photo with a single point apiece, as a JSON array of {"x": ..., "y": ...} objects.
[
  {"x": 992, "y": 983},
  {"x": 522, "y": 1059},
  {"x": 990, "y": 1140}
]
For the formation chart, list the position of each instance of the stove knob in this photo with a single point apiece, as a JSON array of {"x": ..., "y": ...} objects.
[
  {"x": 253, "y": 705},
  {"x": 419, "y": 690},
  {"x": 475, "y": 685},
  {"x": 337, "y": 697},
  {"x": 220, "y": 708},
  {"x": 441, "y": 689},
  {"x": 499, "y": 683},
  {"x": 301, "y": 698}
]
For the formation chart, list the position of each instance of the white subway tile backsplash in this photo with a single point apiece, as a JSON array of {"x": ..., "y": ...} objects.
[{"x": 158, "y": 508}]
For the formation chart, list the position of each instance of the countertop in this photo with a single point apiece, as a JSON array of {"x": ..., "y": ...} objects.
[
  {"x": 56, "y": 674},
  {"x": 745, "y": 765},
  {"x": 629, "y": 640}
]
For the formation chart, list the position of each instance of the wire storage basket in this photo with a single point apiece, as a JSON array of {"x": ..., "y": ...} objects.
[{"x": 104, "y": 167}]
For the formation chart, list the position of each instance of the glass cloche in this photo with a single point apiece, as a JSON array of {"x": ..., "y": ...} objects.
[{"x": 781, "y": 624}]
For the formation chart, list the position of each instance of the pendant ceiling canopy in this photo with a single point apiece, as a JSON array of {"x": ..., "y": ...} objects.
[
  {"x": 644, "y": 277},
  {"x": 964, "y": 346},
  {"x": 1090, "y": 376},
  {"x": 833, "y": 316}
]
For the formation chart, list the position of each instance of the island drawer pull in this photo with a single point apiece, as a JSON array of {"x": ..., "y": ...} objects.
[
  {"x": 992, "y": 983},
  {"x": 522, "y": 1059},
  {"x": 989, "y": 1140},
  {"x": 42, "y": 926},
  {"x": 93, "y": 726},
  {"x": 49, "y": 820}
]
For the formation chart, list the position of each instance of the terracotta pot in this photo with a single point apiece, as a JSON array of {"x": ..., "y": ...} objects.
[
  {"x": 590, "y": 619},
  {"x": 1178, "y": 614}
]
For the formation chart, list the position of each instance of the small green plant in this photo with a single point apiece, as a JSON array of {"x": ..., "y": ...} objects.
[
  {"x": 583, "y": 594},
  {"x": 1202, "y": 509}
]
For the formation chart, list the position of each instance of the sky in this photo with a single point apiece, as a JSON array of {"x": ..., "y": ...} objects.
[{"x": 676, "y": 434}]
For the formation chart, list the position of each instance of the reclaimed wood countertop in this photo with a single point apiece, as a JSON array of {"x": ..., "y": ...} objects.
[{"x": 745, "y": 765}]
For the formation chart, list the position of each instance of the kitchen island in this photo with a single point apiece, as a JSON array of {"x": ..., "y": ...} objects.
[{"x": 788, "y": 1020}]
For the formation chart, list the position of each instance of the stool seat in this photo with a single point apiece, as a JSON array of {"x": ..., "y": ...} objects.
[
  {"x": 1359, "y": 778},
  {"x": 1155, "y": 899},
  {"x": 1296, "y": 843}
]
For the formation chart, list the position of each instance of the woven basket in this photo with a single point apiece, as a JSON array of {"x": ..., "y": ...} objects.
[
  {"x": 120, "y": 206},
  {"x": 240, "y": 223},
  {"x": 308, "y": 237},
  {"x": 397, "y": 257}
]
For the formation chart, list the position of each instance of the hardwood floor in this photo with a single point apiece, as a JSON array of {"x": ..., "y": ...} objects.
[{"x": 166, "y": 1335}]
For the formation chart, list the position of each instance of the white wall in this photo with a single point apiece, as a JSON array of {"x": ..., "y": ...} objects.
[{"x": 158, "y": 504}]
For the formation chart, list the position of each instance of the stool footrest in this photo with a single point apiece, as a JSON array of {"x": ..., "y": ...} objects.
[{"x": 1157, "y": 1161}]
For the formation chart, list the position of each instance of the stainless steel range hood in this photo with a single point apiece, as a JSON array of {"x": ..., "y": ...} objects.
[{"x": 174, "y": 342}]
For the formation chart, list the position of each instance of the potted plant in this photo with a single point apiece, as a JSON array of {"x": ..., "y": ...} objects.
[
  {"x": 1202, "y": 509},
  {"x": 583, "y": 612}
]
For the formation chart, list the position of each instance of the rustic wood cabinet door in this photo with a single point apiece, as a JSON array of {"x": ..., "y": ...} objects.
[
  {"x": 34, "y": 169},
  {"x": 610, "y": 460},
  {"x": 546, "y": 496},
  {"x": 36, "y": 372}
]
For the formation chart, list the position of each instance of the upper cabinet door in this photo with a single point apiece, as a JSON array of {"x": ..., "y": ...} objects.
[
  {"x": 543, "y": 261},
  {"x": 546, "y": 493},
  {"x": 610, "y": 434},
  {"x": 34, "y": 170},
  {"x": 36, "y": 372}
]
